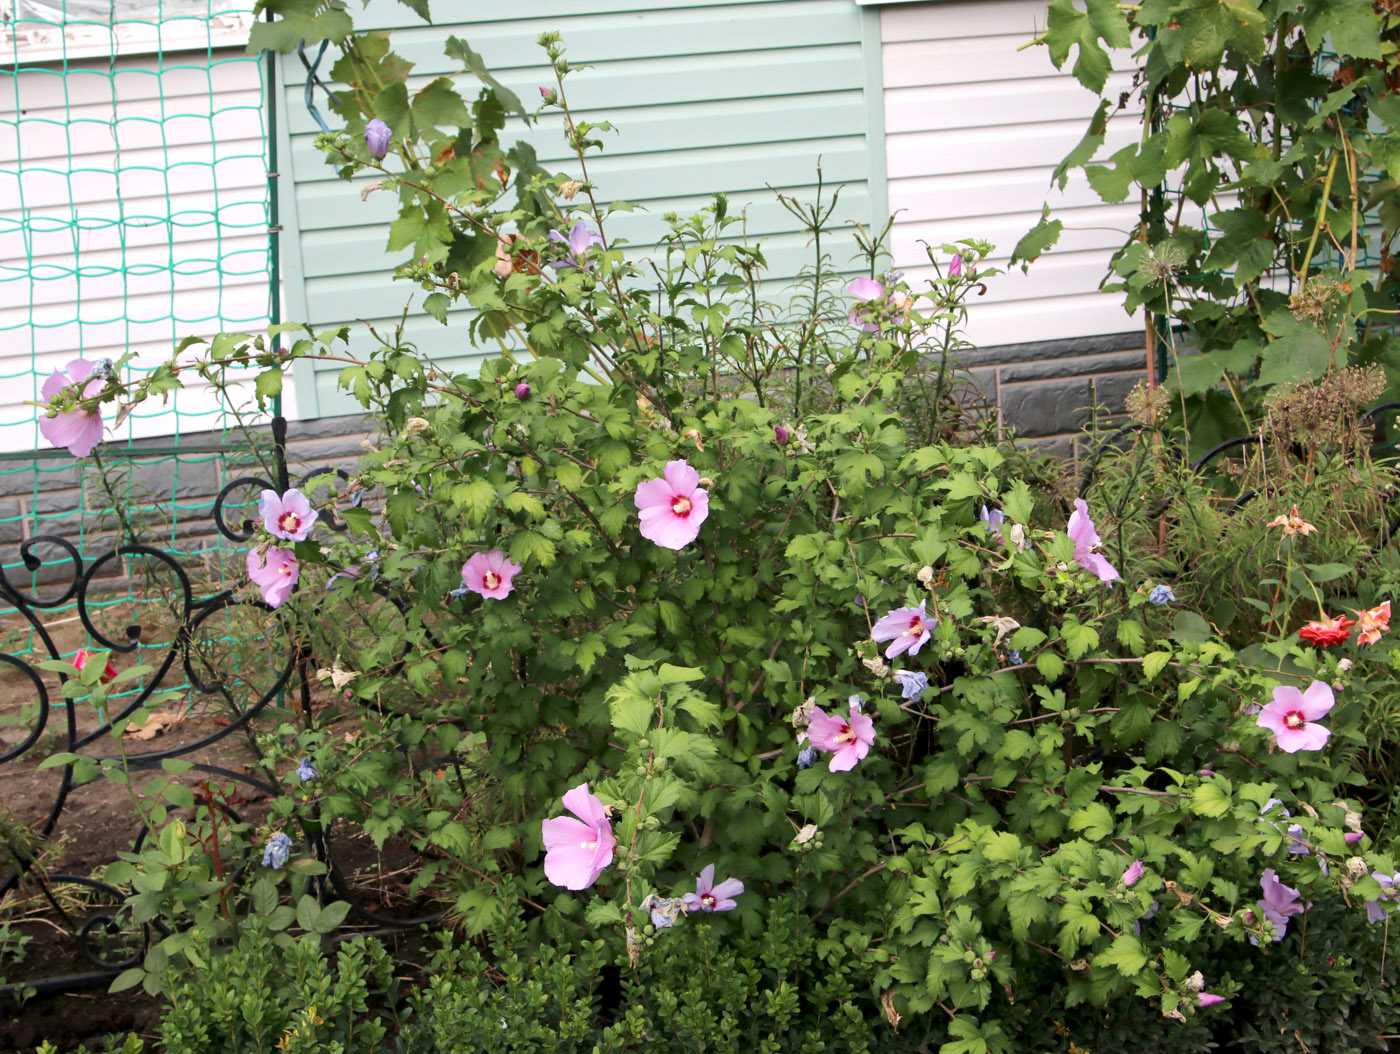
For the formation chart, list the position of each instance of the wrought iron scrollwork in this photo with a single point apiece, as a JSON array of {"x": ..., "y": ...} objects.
[{"x": 108, "y": 940}]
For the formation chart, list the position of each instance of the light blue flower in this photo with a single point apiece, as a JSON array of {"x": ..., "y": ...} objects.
[
  {"x": 1014, "y": 657},
  {"x": 306, "y": 770},
  {"x": 1162, "y": 595},
  {"x": 278, "y": 851},
  {"x": 806, "y": 756},
  {"x": 912, "y": 683},
  {"x": 992, "y": 519}
]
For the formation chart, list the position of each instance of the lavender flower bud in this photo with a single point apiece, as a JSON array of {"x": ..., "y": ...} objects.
[
  {"x": 780, "y": 434},
  {"x": 522, "y": 390},
  {"x": 377, "y": 136}
]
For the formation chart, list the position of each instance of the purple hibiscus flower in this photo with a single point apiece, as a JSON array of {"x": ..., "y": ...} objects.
[{"x": 578, "y": 242}]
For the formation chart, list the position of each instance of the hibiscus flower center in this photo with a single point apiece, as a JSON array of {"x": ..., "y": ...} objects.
[
  {"x": 1294, "y": 719},
  {"x": 289, "y": 522},
  {"x": 491, "y": 580},
  {"x": 588, "y": 845},
  {"x": 846, "y": 735},
  {"x": 916, "y": 627},
  {"x": 708, "y": 900},
  {"x": 285, "y": 569},
  {"x": 680, "y": 505}
]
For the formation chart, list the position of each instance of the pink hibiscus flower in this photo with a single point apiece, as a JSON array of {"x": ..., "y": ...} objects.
[
  {"x": 907, "y": 627},
  {"x": 576, "y": 851},
  {"x": 673, "y": 507},
  {"x": 290, "y": 517},
  {"x": 848, "y": 740},
  {"x": 1086, "y": 539},
  {"x": 711, "y": 897},
  {"x": 79, "y": 430},
  {"x": 871, "y": 296},
  {"x": 490, "y": 574},
  {"x": 275, "y": 573},
  {"x": 1292, "y": 716}
]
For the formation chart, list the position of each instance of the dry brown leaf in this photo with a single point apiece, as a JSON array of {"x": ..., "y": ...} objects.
[{"x": 158, "y": 722}]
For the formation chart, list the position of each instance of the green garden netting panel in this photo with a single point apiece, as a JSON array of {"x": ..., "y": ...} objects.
[{"x": 134, "y": 211}]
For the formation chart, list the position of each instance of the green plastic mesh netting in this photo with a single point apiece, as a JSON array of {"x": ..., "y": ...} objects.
[{"x": 135, "y": 210}]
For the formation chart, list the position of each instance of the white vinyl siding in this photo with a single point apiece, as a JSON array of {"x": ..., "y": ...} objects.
[{"x": 974, "y": 128}]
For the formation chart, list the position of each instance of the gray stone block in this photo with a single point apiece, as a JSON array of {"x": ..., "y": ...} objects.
[
  {"x": 1041, "y": 350},
  {"x": 20, "y": 476},
  {"x": 1077, "y": 367},
  {"x": 1046, "y": 408}
]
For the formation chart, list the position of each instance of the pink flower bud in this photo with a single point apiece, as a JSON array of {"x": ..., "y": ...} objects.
[
  {"x": 1134, "y": 872},
  {"x": 522, "y": 390},
  {"x": 955, "y": 266},
  {"x": 547, "y": 94},
  {"x": 1352, "y": 837},
  {"x": 780, "y": 434}
]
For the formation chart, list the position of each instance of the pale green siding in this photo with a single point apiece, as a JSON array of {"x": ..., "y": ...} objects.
[{"x": 706, "y": 97}]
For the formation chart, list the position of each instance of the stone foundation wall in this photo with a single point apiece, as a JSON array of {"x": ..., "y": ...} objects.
[{"x": 1043, "y": 391}]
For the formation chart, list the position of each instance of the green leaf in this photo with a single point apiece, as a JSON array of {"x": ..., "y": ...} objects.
[
  {"x": 1351, "y": 27},
  {"x": 1320, "y": 573},
  {"x": 1210, "y": 800},
  {"x": 357, "y": 521},
  {"x": 1153, "y": 663},
  {"x": 1068, "y": 27},
  {"x": 329, "y": 918},
  {"x": 127, "y": 978},
  {"x": 308, "y": 21},
  {"x": 1050, "y": 666},
  {"x": 527, "y": 547},
  {"x": 1189, "y": 628},
  {"x": 439, "y": 105},
  {"x": 1126, "y": 953},
  {"x": 268, "y": 385},
  {"x": 602, "y": 913},
  {"x": 1018, "y": 503},
  {"x": 1038, "y": 239},
  {"x": 436, "y": 304},
  {"x": 307, "y": 912},
  {"x": 401, "y": 508},
  {"x": 1094, "y": 820},
  {"x": 631, "y": 713},
  {"x": 1299, "y": 354},
  {"x": 459, "y": 49}
]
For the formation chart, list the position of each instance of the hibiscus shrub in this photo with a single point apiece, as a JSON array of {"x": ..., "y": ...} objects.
[{"x": 674, "y": 610}]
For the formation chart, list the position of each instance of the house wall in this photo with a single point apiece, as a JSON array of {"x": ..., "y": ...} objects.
[
  {"x": 706, "y": 96},
  {"x": 974, "y": 129},
  {"x": 133, "y": 195}
]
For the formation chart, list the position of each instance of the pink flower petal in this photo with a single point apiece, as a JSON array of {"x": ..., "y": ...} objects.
[
  {"x": 1310, "y": 737},
  {"x": 654, "y": 493},
  {"x": 586, "y": 806},
  {"x": 728, "y": 889},
  {"x": 1273, "y": 721},
  {"x": 846, "y": 758},
  {"x": 666, "y": 529},
  {"x": 1317, "y": 700},
  {"x": 682, "y": 478},
  {"x": 56, "y": 383},
  {"x": 564, "y": 831},
  {"x": 77, "y": 430},
  {"x": 824, "y": 729},
  {"x": 572, "y": 866}
]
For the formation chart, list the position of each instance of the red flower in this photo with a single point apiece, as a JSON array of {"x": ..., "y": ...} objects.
[
  {"x": 1328, "y": 632},
  {"x": 80, "y": 659}
]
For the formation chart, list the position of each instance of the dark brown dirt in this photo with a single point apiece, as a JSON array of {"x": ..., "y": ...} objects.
[{"x": 96, "y": 823}]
